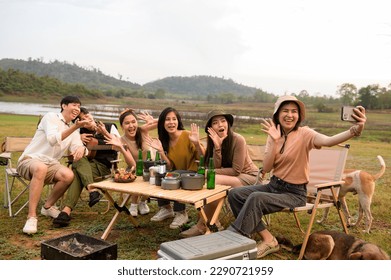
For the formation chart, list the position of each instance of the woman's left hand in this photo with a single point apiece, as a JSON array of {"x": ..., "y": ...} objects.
[
  {"x": 270, "y": 128},
  {"x": 360, "y": 117},
  {"x": 194, "y": 136},
  {"x": 113, "y": 140},
  {"x": 154, "y": 143},
  {"x": 145, "y": 116},
  {"x": 217, "y": 140}
]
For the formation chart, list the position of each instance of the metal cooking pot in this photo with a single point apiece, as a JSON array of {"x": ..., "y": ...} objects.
[
  {"x": 172, "y": 181},
  {"x": 192, "y": 181}
]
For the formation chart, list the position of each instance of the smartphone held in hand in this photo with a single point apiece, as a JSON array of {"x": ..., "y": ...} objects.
[{"x": 346, "y": 114}]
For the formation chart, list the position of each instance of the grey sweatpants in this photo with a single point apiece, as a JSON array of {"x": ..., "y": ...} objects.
[{"x": 250, "y": 203}]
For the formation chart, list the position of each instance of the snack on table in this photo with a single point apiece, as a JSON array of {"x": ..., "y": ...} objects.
[{"x": 124, "y": 176}]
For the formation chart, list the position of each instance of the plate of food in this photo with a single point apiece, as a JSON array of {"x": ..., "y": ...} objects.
[{"x": 124, "y": 176}]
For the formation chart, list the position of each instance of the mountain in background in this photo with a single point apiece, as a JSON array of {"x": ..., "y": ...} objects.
[
  {"x": 68, "y": 73},
  {"x": 200, "y": 85},
  {"x": 93, "y": 78}
]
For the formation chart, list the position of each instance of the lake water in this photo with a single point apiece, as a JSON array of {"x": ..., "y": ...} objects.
[
  {"x": 108, "y": 112},
  {"x": 104, "y": 112},
  {"x": 27, "y": 108}
]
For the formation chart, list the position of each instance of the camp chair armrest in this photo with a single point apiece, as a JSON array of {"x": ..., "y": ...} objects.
[
  {"x": 5, "y": 155},
  {"x": 329, "y": 184}
]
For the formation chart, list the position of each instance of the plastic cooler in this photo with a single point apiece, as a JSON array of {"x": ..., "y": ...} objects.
[{"x": 223, "y": 245}]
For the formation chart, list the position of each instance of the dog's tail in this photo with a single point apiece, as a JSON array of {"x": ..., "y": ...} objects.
[{"x": 382, "y": 169}]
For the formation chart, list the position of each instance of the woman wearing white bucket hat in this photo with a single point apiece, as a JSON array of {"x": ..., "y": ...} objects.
[{"x": 287, "y": 154}]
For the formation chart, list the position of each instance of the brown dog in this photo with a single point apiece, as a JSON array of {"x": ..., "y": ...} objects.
[
  {"x": 361, "y": 183},
  {"x": 334, "y": 245}
]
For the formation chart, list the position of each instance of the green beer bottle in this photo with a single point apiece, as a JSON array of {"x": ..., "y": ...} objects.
[
  {"x": 139, "y": 163},
  {"x": 157, "y": 156},
  {"x": 149, "y": 158},
  {"x": 210, "y": 177},
  {"x": 201, "y": 166}
]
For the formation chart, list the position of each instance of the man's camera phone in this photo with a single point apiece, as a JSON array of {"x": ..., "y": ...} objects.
[{"x": 346, "y": 114}]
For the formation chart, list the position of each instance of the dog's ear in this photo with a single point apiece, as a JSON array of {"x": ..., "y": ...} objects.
[
  {"x": 283, "y": 241},
  {"x": 356, "y": 256},
  {"x": 369, "y": 252}
]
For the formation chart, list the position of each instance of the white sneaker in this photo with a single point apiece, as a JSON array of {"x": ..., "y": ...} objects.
[
  {"x": 31, "y": 225},
  {"x": 133, "y": 209},
  {"x": 51, "y": 212},
  {"x": 180, "y": 219},
  {"x": 163, "y": 214},
  {"x": 143, "y": 208}
]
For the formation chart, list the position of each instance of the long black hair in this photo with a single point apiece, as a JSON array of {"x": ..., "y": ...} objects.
[
  {"x": 226, "y": 150},
  {"x": 138, "y": 137},
  {"x": 162, "y": 132}
]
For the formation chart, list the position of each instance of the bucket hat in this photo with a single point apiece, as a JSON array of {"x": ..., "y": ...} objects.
[
  {"x": 215, "y": 113},
  {"x": 290, "y": 98}
]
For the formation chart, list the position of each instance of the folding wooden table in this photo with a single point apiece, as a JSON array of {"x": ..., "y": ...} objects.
[{"x": 197, "y": 198}]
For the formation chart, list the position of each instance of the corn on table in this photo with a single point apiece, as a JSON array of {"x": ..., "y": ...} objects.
[{"x": 197, "y": 198}]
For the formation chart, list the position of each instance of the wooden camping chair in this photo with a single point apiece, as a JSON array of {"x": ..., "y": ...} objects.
[
  {"x": 10, "y": 147},
  {"x": 326, "y": 170}
]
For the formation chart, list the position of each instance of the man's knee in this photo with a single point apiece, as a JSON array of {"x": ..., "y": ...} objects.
[
  {"x": 65, "y": 175},
  {"x": 39, "y": 171}
]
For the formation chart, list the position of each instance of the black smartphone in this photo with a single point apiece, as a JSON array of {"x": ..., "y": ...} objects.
[{"x": 346, "y": 114}]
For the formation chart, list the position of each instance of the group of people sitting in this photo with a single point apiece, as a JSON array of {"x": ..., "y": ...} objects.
[{"x": 74, "y": 129}]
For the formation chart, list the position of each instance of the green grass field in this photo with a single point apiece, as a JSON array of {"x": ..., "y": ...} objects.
[{"x": 143, "y": 242}]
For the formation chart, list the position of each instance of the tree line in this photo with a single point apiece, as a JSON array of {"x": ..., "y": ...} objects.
[{"x": 18, "y": 83}]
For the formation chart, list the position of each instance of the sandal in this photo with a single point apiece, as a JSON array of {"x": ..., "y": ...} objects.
[
  {"x": 193, "y": 231},
  {"x": 264, "y": 249}
]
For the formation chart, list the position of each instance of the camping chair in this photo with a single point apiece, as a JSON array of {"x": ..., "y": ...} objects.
[
  {"x": 326, "y": 170},
  {"x": 10, "y": 146}
]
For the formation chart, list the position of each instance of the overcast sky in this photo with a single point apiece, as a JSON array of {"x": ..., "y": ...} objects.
[{"x": 280, "y": 46}]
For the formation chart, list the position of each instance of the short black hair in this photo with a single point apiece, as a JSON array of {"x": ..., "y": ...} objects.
[
  {"x": 70, "y": 99},
  {"x": 83, "y": 110}
]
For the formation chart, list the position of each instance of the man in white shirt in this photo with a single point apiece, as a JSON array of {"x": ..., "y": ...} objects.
[
  {"x": 55, "y": 137},
  {"x": 96, "y": 165}
]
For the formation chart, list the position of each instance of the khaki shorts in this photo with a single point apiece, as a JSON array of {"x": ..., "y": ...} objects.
[{"x": 26, "y": 163}]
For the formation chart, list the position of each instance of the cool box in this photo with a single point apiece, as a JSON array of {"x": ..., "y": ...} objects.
[{"x": 223, "y": 245}]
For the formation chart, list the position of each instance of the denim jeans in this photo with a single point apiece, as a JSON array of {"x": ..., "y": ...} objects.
[{"x": 250, "y": 203}]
